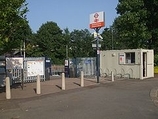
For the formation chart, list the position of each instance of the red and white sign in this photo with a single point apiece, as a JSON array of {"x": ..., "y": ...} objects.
[
  {"x": 122, "y": 58},
  {"x": 97, "y": 20}
]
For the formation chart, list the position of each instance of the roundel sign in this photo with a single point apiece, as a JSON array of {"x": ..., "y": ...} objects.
[{"x": 97, "y": 20}]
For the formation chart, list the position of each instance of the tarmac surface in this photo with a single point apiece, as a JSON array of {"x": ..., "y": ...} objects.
[
  {"x": 47, "y": 87},
  {"x": 121, "y": 99}
]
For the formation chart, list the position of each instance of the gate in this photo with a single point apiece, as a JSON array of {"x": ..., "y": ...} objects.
[
  {"x": 14, "y": 69},
  {"x": 17, "y": 75}
]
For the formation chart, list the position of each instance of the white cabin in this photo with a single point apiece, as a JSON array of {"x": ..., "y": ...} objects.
[{"x": 132, "y": 63}]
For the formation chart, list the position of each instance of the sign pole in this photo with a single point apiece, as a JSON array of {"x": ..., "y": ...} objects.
[
  {"x": 97, "y": 20},
  {"x": 97, "y": 54}
]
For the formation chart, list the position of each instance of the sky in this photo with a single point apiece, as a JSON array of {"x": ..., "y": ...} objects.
[{"x": 71, "y": 14}]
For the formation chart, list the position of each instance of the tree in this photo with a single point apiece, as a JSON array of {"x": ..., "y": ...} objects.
[
  {"x": 131, "y": 23},
  {"x": 32, "y": 47},
  {"x": 151, "y": 22},
  {"x": 23, "y": 34},
  {"x": 15, "y": 42},
  {"x": 107, "y": 35},
  {"x": 12, "y": 17},
  {"x": 50, "y": 42},
  {"x": 80, "y": 44},
  {"x": 137, "y": 24}
]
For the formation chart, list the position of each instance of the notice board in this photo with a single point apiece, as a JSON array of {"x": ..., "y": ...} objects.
[{"x": 35, "y": 68}]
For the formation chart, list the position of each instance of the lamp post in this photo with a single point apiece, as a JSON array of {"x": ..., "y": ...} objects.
[
  {"x": 24, "y": 49},
  {"x": 67, "y": 63},
  {"x": 112, "y": 39},
  {"x": 67, "y": 52},
  {"x": 24, "y": 55}
]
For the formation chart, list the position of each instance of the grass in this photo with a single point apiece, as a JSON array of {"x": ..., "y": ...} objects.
[{"x": 156, "y": 69}]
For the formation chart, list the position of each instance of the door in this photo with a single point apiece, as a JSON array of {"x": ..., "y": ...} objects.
[{"x": 144, "y": 64}]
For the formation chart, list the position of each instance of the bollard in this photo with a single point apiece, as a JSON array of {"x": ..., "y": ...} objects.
[
  {"x": 63, "y": 81},
  {"x": 38, "y": 88},
  {"x": 112, "y": 77},
  {"x": 8, "y": 92},
  {"x": 82, "y": 79}
]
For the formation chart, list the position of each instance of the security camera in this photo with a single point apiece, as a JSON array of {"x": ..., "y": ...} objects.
[
  {"x": 100, "y": 36},
  {"x": 95, "y": 34}
]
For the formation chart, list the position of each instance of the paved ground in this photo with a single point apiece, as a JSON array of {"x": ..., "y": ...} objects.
[
  {"x": 122, "y": 99},
  {"x": 47, "y": 87}
]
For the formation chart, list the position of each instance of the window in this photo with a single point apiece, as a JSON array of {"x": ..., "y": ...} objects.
[{"x": 130, "y": 57}]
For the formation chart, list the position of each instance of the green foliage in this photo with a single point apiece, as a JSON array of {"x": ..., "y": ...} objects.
[
  {"x": 15, "y": 41},
  {"x": 66, "y": 37},
  {"x": 130, "y": 23},
  {"x": 80, "y": 44},
  {"x": 156, "y": 60},
  {"x": 32, "y": 48},
  {"x": 109, "y": 39},
  {"x": 106, "y": 44},
  {"x": 136, "y": 27},
  {"x": 137, "y": 24},
  {"x": 50, "y": 42},
  {"x": 12, "y": 17}
]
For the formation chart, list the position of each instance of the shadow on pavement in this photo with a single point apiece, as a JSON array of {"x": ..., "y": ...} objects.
[
  {"x": 2, "y": 89},
  {"x": 58, "y": 86},
  {"x": 77, "y": 83},
  {"x": 14, "y": 86}
]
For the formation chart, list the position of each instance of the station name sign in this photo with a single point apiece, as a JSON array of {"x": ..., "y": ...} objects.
[{"x": 97, "y": 20}]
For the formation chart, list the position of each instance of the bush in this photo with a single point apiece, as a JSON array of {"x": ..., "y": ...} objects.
[
  {"x": 156, "y": 70},
  {"x": 156, "y": 60}
]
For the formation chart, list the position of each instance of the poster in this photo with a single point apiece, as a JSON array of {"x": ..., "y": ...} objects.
[
  {"x": 121, "y": 58},
  {"x": 14, "y": 63},
  {"x": 35, "y": 68}
]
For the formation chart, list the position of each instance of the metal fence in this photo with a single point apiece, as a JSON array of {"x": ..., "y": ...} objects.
[
  {"x": 26, "y": 70},
  {"x": 16, "y": 75},
  {"x": 32, "y": 65},
  {"x": 56, "y": 70},
  {"x": 87, "y": 65}
]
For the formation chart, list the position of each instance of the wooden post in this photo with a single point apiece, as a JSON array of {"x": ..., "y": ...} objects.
[
  {"x": 38, "y": 88},
  {"x": 82, "y": 79},
  {"x": 112, "y": 76},
  {"x": 63, "y": 81},
  {"x": 8, "y": 92}
]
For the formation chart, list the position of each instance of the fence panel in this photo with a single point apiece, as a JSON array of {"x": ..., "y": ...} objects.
[
  {"x": 16, "y": 75},
  {"x": 87, "y": 65},
  {"x": 57, "y": 70}
]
